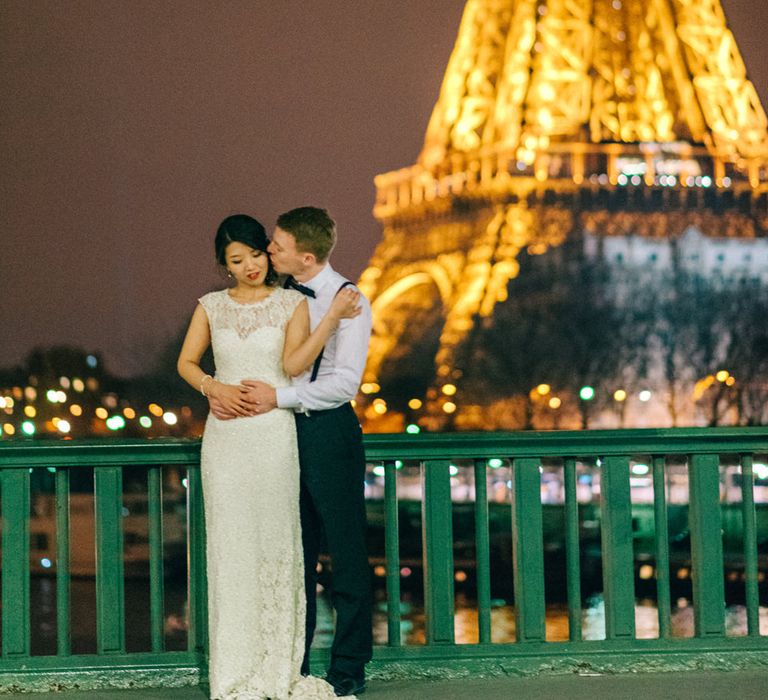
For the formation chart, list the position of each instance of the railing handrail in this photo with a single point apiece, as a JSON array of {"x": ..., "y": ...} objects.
[
  {"x": 99, "y": 452},
  {"x": 572, "y": 443},
  {"x": 382, "y": 446}
]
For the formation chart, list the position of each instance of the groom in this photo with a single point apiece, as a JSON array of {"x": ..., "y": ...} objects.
[{"x": 331, "y": 455}]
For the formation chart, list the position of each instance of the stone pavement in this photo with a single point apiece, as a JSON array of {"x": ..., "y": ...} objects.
[{"x": 692, "y": 685}]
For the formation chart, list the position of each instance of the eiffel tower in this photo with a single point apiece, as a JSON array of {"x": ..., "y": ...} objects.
[{"x": 555, "y": 117}]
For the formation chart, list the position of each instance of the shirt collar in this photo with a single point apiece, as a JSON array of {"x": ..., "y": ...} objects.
[{"x": 320, "y": 279}]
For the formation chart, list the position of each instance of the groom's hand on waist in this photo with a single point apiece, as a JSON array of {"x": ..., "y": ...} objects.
[{"x": 262, "y": 395}]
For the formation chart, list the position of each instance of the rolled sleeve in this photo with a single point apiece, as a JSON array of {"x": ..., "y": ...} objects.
[{"x": 338, "y": 383}]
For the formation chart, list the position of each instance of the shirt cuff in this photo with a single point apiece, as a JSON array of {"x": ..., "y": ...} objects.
[{"x": 287, "y": 397}]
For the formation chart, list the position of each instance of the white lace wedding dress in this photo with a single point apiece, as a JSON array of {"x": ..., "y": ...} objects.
[{"x": 250, "y": 476}]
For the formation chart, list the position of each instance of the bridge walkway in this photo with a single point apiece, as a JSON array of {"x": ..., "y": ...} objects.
[{"x": 694, "y": 685}]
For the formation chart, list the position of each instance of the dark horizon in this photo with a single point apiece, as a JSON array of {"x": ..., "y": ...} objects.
[{"x": 131, "y": 130}]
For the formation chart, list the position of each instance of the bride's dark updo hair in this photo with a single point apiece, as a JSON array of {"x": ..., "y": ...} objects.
[{"x": 242, "y": 228}]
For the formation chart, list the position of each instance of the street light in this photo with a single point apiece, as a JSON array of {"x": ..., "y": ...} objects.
[
  {"x": 586, "y": 394},
  {"x": 115, "y": 422}
]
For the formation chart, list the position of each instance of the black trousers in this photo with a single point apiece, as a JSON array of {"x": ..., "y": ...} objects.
[{"x": 332, "y": 462}]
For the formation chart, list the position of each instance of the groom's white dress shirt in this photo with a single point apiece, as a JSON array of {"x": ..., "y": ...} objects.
[{"x": 341, "y": 368}]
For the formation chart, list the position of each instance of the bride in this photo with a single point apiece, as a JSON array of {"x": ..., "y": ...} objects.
[{"x": 250, "y": 470}]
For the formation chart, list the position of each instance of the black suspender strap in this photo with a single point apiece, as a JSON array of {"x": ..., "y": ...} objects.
[{"x": 316, "y": 366}]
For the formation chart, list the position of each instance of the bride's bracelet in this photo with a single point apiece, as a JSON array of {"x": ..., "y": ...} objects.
[{"x": 202, "y": 384}]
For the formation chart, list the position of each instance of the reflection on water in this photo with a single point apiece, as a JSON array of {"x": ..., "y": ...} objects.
[
  {"x": 503, "y": 621},
  {"x": 83, "y": 618}
]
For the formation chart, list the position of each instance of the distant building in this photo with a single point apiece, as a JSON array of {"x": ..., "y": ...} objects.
[{"x": 729, "y": 260}]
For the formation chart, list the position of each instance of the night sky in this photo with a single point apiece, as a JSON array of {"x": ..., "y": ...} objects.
[{"x": 129, "y": 129}]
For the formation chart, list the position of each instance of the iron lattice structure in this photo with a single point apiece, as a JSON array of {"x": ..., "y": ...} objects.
[{"x": 557, "y": 117}]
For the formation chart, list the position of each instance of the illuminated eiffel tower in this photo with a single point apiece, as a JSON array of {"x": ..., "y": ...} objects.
[{"x": 556, "y": 117}]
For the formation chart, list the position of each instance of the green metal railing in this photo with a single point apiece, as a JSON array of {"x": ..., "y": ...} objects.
[
  {"x": 111, "y": 665},
  {"x": 701, "y": 449}
]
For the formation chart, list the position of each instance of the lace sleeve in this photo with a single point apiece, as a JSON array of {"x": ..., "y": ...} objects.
[
  {"x": 290, "y": 299},
  {"x": 210, "y": 302}
]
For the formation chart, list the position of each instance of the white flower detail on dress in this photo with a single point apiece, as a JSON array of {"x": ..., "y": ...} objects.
[{"x": 273, "y": 311}]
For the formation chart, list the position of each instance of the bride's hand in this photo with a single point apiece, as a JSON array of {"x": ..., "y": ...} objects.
[
  {"x": 232, "y": 398},
  {"x": 346, "y": 304},
  {"x": 218, "y": 410}
]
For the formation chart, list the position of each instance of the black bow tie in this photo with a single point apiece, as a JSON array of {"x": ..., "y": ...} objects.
[{"x": 291, "y": 283}]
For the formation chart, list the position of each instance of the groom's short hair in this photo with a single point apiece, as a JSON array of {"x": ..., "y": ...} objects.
[{"x": 312, "y": 228}]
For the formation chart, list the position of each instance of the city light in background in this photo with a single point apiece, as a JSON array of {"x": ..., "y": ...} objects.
[{"x": 40, "y": 411}]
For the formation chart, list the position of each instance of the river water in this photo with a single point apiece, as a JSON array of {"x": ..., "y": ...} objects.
[
  {"x": 503, "y": 621},
  {"x": 83, "y": 618}
]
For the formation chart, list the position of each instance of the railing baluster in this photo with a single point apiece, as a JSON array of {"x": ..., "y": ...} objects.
[
  {"x": 661, "y": 542},
  {"x": 705, "y": 523},
  {"x": 156, "y": 581},
  {"x": 392, "y": 553},
  {"x": 437, "y": 534},
  {"x": 198, "y": 587},
  {"x": 15, "y": 595},
  {"x": 482, "y": 553},
  {"x": 750, "y": 547},
  {"x": 617, "y": 546},
  {"x": 63, "y": 646},
  {"x": 528, "y": 550},
  {"x": 572, "y": 562},
  {"x": 110, "y": 582}
]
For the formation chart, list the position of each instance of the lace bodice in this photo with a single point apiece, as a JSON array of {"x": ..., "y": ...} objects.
[{"x": 248, "y": 339}]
